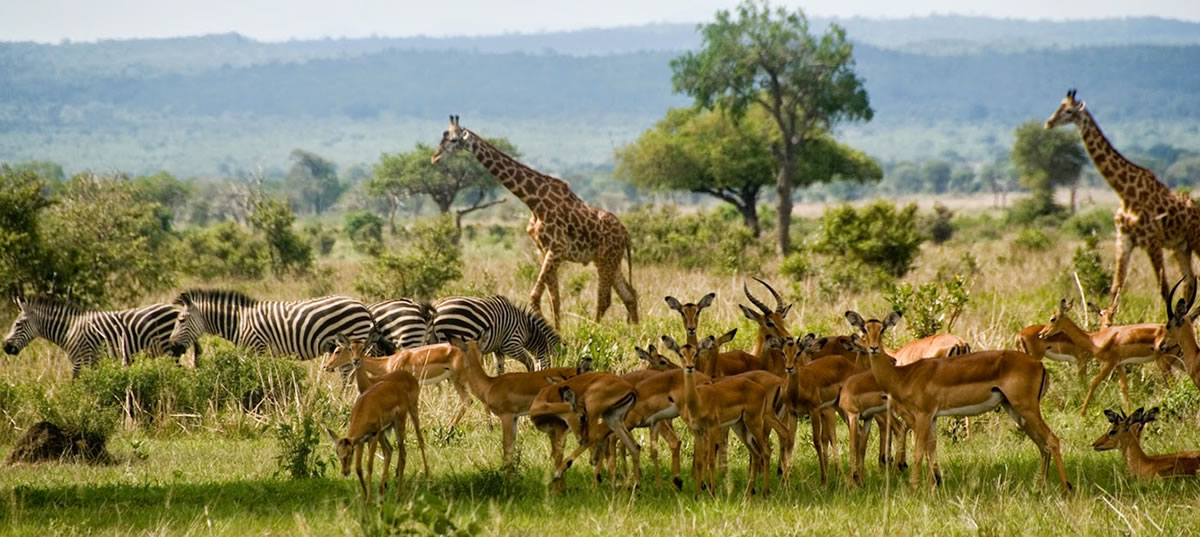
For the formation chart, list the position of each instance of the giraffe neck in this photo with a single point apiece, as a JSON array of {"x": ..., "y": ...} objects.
[
  {"x": 1122, "y": 175},
  {"x": 518, "y": 178}
]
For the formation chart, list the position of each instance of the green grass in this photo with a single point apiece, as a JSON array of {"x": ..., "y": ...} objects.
[{"x": 214, "y": 473}]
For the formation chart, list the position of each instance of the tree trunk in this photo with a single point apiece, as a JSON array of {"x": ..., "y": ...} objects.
[
  {"x": 1074, "y": 187},
  {"x": 783, "y": 189},
  {"x": 443, "y": 205},
  {"x": 750, "y": 217},
  {"x": 392, "y": 206}
]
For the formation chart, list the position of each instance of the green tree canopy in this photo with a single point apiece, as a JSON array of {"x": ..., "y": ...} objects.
[
  {"x": 768, "y": 57},
  {"x": 1047, "y": 158},
  {"x": 316, "y": 180}
]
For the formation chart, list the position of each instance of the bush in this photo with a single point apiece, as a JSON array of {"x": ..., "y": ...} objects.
[
  {"x": 319, "y": 238},
  {"x": 931, "y": 306},
  {"x": 431, "y": 260},
  {"x": 1087, "y": 264},
  {"x": 1035, "y": 213},
  {"x": 299, "y": 440},
  {"x": 1032, "y": 239},
  {"x": 365, "y": 230},
  {"x": 878, "y": 235},
  {"x": 796, "y": 265},
  {"x": 939, "y": 225},
  {"x": 77, "y": 411},
  {"x": 274, "y": 218},
  {"x": 225, "y": 250},
  {"x": 424, "y": 514},
  {"x": 664, "y": 235},
  {"x": 1097, "y": 222}
]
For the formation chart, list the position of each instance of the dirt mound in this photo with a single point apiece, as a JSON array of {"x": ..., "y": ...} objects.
[{"x": 45, "y": 441}]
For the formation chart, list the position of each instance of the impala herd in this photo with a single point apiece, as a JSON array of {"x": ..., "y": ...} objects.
[{"x": 765, "y": 391}]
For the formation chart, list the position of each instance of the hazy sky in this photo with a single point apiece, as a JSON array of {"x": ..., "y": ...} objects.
[{"x": 82, "y": 20}]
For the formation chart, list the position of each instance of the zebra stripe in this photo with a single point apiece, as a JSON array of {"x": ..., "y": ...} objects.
[
  {"x": 302, "y": 328},
  {"x": 404, "y": 321},
  {"x": 81, "y": 333},
  {"x": 500, "y": 327}
]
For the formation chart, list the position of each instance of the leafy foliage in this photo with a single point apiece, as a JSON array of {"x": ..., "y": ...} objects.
[
  {"x": 315, "y": 179},
  {"x": 931, "y": 306},
  {"x": 223, "y": 250},
  {"x": 878, "y": 235},
  {"x": 22, "y": 199},
  {"x": 431, "y": 259},
  {"x": 1089, "y": 267},
  {"x": 365, "y": 231},
  {"x": 1047, "y": 158},
  {"x": 288, "y": 252},
  {"x": 411, "y": 174},
  {"x": 664, "y": 234},
  {"x": 1032, "y": 239},
  {"x": 299, "y": 442}
]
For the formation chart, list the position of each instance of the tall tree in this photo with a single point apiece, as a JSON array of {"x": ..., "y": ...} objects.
[
  {"x": 1046, "y": 158},
  {"x": 767, "y": 57},
  {"x": 405, "y": 175},
  {"x": 316, "y": 178}
]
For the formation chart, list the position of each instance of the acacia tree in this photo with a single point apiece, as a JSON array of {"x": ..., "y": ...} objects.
[
  {"x": 405, "y": 175},
  {"x": 768, "y": 58},
  {"x": 316, "y": 178},
  {"x": 1047, "y": 158}
]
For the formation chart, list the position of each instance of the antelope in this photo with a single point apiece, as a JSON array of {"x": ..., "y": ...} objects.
[
  {"x": 861, "y": 401},
  {"x": 1125, "y": 435},
  {"x": 384, "y": 406},
  {"x": 657, "y": 404},
  {"x": 431, "y": 364},
  {"x": 592, "y": 405},
  {"x": 1057, "y": 347},
  {"x": 691, "y": 314},
  {"x": 655, "y": 363},
  {"x": 965, "y": 386},
  {"x": 770, "y": 321},
  {"x": 812, "y": 388},
  {"x": 1112, "y": 347},
  {"x": 710, "y": 409},
  {"x": 1181, "y": 332},
  {"x": 506, "y": 396}
]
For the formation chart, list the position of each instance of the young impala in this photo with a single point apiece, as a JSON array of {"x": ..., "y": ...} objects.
[{"x": 1125, "y": 435}]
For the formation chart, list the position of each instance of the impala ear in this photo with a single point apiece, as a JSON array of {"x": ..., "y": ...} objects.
[
  {"x": 670, "y": 343},
  {"x": 1150, "y": 415},
  {"x": 856, "y": 320},
  {"x": 727, "y": 336},
  {"x": 774, "y": 342},
  {"x": 332, "y": 435},
  {"x": 783, "y": 312},
  {"x": 706, "y": 301},
  {"x": 749, "y": 313},
  {"x": 673, "y": 303},
  {"x": 1113, "y": 417},
  {"x": 568, "y": 396},
  {"x": 707, "y": 343},
  {"x": 641, "y": 354},
  {"x": 1136, "y": 417},
  {"x": 891, "y": 320}
]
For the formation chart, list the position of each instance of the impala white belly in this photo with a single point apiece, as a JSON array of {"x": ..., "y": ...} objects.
[
  {"x": 871, "y": 412},
  {"x": 973, "y": 410},
  {"x": 1068, "y": 358},
  {"x": 669, "y": 413},
  {"x": 1137, "y": 360},
  {"x": 433, "y": 377}
]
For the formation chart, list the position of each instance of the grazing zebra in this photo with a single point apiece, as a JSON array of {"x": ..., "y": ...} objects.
[
  {"x": 302, "y": 328},
  {"x": 404, "y": 321},
  {"x": 81, "y": 332},
  {"x": 500, "y": 327}
]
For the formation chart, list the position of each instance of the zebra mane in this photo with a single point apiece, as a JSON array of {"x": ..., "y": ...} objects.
[
  {"x": 213, "y": 295},
  {"x": 538, "y": 323},
  {"x": 46, "y": 303}
]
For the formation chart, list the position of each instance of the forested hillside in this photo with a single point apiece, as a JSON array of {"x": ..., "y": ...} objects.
[{"x": 215, "y": 104}]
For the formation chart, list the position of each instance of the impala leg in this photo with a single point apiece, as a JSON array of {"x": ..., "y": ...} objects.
[
  {"x": 358, "y": 469},
  {"x": 371, "y": 463},
  {"x": 921, "y": 427},
  {"x": 1035, "y": 427},
  {"x": 412, "y": 411},
  {"x": 465, "y": 401},
  {"x": 1123, "y": 382},
  {"x": 386, "y": 447},
  {"x": 668, "y": 434},
  {"x": 509, "y": 424},
  {"x": 935, "y": 471},
  {"x": 818, "y": 432},
  {"x": 885, "y": 441},
  {"x": 1106, "y": 367},
  {"x": 829, "y": 436},
  {"x": 900, "y": 430}
]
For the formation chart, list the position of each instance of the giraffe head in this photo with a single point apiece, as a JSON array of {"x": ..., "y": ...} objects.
[
  {"x": 453, "y": 139},
  {"x": 1069, "y": 110}
]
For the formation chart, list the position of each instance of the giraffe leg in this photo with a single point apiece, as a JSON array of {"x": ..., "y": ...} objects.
[
  {"x": 1154, "y": 251},
  {"x": 1183, "y": 257},
  {"x": 1124, "y": 249},
  {"x": 628, "y": 296},
  {"x": 603, "y": 288},
  {"x": 547, "y": 277}
]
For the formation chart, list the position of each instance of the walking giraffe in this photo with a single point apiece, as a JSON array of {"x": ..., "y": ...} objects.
[
  {"x": 1151, "y": 216},
  {"x": 562, "y": 226}
]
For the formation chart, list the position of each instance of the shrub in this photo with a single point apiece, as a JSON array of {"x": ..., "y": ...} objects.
[
  {"x": 931, "y": 306},
  {"x": 1087, "y": 264},
  {"x": 319, "y": 238},
  {"x": 365, "y": 230},
  {"x": 1032, "y": 239},
  {"x": 274, "y": 218},
  {"x": 878, "y": 235},
  {"x": 1035, "y": 212},
  {"x": 423, "y": 514},
  {"x": 225, "y": 250},
  {"x": 431, "y": 260},
  {"x": 663, "y": 234},
  {"x": 796, "y": 265},
  {"x": 77, "y": 411},
  {"x": 939, "y": 225},
  {"x": 299, "y": 440},
  {"x": 1098, "y": 222}
]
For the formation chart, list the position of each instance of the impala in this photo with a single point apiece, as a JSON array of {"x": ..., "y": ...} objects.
[
  {"x": 384, "y": 406},
  {"x": 1113, "y": 346},
  {"x": 1125, "y": 435},
  {"x": 1057, "y": 347},
  {"x": 812, "y": 388},
  {"x": 507, "y": 396},
  {"x": 1181, "y": 332},
  {"x": 861, "y": 401},
  {"x": 431, "y": 364},
  {"x": 691, "y": 314},
  {"x": 592, "y": 405},
  {"x": 965, "y": 386}
]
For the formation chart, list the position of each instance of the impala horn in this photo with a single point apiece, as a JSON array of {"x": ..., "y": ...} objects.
[
  {"x": 757, "y": 303},
  {"x": 779, "y": 307}
]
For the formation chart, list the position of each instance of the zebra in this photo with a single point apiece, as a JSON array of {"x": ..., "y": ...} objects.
[
  {"x": 500, "y": 326},
  {"x": 81, "y": 332},
  {"x": 404, "y": 321},
  {"x": 302, "y": 328}
]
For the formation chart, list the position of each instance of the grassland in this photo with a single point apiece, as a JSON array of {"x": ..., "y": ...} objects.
[{"x": 216, "y": 475}]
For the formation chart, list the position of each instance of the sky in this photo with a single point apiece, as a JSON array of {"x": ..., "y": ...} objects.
[{"x": 51, "y": 21}]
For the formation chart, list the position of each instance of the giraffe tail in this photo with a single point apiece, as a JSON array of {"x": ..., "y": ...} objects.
[{"x": 629, "y": 259}]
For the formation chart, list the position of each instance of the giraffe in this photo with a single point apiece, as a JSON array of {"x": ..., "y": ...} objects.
[
  {"x": 562, "y": 226},
  {"x": 1151, "y": 215}
]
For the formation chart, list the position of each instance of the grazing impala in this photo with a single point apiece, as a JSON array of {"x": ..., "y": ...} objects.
[
  {"x": 1113, "y": 347},
  {"x": 1126, "y": 434},
  {"x": 965, "y": 386},
  {"x": 592, "y": 405},
  {"x": 431, "y": 364},
  {"x": 384, "y": 406},
  {"x": 507, "y": 396}
]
